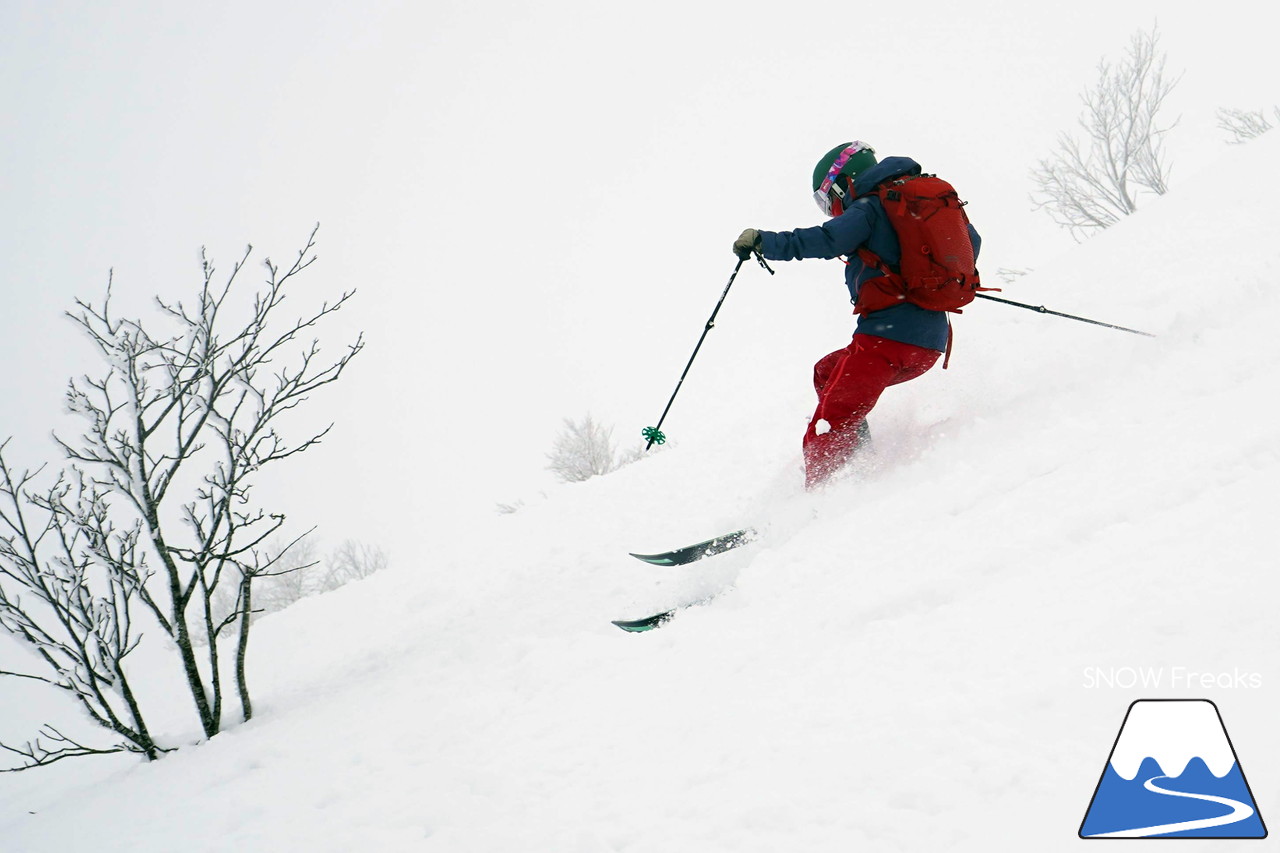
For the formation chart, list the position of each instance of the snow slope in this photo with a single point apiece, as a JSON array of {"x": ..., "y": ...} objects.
[{"x": 902, "y": 663}]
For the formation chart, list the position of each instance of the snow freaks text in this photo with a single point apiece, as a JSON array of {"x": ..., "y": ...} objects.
[{"x": 1168, "y": 677}]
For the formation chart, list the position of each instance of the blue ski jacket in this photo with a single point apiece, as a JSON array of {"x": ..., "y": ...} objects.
[{"x": 864, "y": 223}]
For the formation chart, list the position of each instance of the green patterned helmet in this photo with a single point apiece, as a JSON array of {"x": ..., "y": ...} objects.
[{"x": 834, "y": 174}]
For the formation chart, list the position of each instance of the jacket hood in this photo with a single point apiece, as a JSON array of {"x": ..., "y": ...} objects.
[{"x": 889, "y": 167}]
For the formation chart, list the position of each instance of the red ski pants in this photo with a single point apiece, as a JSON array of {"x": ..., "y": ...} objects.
[{"x": 849, "y": 382}]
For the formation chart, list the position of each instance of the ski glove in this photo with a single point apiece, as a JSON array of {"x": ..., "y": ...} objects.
[{"x": 747, "y": 242}]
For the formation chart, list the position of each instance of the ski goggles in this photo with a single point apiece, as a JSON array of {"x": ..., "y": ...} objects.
[{"x": 822, "y": 195}]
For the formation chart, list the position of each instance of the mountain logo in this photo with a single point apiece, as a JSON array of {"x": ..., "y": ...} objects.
[{"x": 1172, "y": 773}]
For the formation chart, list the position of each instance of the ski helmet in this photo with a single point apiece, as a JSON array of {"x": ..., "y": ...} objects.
[{"x": 834, "y": 174}]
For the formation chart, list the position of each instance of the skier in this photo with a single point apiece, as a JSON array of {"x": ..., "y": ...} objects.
[{"x": 890, "y": 345}]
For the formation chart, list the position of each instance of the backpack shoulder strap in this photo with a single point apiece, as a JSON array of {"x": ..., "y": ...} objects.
[{"x": 888, "y": 193}]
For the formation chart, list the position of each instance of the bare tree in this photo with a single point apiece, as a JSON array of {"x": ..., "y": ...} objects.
[
  {"x": 1243, "y": 125},
  {"x": 350, "y": 561},
  {"x": 300, "y": 573},
  {"x": 1008, "y": 275},
  {"x": 1087, "y": 185},
  {"x": 70, "y": 580},
  {"x": 290, "y": 581},
  {"x": 153, "y": 512},
  {"x": 584, "y": 449}
]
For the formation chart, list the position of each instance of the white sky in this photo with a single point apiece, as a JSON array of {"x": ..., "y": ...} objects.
[{"x": 534, "y": 201}]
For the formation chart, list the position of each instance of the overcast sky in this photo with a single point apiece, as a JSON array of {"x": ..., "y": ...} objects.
[{"x": 534, "y": 201}]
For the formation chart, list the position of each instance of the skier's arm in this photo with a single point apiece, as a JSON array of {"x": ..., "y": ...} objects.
[
  {"x": 976, "y": 239},
  {"x": 840, "y": 236}
]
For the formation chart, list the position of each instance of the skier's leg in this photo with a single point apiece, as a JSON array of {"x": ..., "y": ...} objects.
[
  {"x": 853, "y": 380},
  {"x": 823, "y": 369}
]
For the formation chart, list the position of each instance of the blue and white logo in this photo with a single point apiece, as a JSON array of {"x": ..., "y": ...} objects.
[{"x": 1173, "y": 773}]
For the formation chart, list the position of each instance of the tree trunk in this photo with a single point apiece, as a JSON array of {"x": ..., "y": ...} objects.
[{"x": 242, "y": 682}]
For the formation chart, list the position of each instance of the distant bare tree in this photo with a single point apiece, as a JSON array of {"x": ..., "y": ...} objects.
[
  {"x": 1088, "y": 185},
  {"x": 1243, "y": 125},
  {"x": 584, "y": 449},
  {"x": 351, "y": 561},
  {"x": 290, "y": 581},
  {"x": 300, "y": 572},
  {"x": 153, "y": 514},
  {"x": 1008, "y": 275}
]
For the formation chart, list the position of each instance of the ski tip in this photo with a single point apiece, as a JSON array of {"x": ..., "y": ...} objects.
[
  {"x": 655, "y": 559},
  {"x": 638, "y": 626},
  {"x": 709, "y": 548}
]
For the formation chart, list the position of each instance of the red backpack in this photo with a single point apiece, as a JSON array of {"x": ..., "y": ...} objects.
[{"x": 937, "y": 269}]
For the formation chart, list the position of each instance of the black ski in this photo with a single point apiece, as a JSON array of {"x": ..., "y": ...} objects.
[
  {"x": 637, "y": 626},
  {"x": 679, "y": 557},
  {"x": 689, "y": 553},
  {"x": 657, "y": 620}
]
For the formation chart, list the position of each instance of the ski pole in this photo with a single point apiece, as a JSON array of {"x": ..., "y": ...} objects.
[
  {"x": 1044, "y": 310},
  {"x": 654, "y": 433}
]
